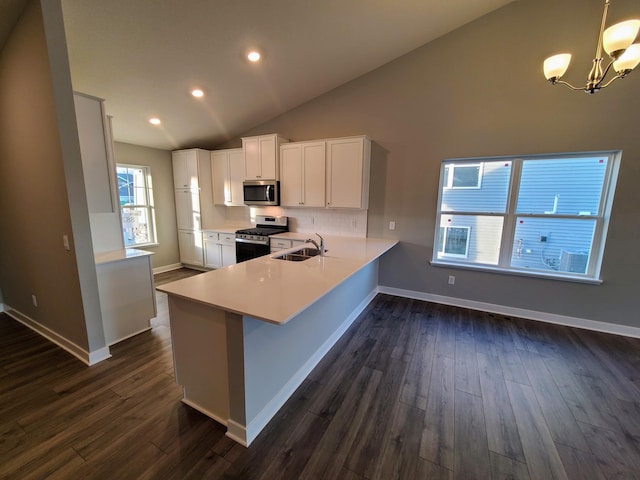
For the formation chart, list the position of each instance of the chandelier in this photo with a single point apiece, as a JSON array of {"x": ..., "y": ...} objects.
[{"x": 617, "y": 41}]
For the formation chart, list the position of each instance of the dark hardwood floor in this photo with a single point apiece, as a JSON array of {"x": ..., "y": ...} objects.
[{"x": 413, "y": 390}]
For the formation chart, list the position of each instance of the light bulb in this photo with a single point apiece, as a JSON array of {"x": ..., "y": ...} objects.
[
  {"x": 628, "y": 60},
  {"x": 618, "y": 37}
]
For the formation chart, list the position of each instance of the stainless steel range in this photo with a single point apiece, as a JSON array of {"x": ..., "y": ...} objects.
[{"x": 254, "y": 242}]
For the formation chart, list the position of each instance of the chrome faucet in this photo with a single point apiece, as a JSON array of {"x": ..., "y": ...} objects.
[{"x": 319, "y": 247}]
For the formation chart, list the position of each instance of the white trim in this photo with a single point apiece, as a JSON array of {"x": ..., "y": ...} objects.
[
  {"x": 1, "y": 307},
  {"x": 131, "y": 334},
  {"x": 237, "y": 432},
  {"x": 260, "y": 421},
  {"x": 195, "y": 406},
  {"x": 584, "y": 323},
  {"x": 90, "y": 358},
  {"x": 167, "y": 268}
]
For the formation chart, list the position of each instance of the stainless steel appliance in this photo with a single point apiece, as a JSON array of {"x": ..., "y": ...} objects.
[
  {"x": 254, "y": 242},
  {"x": 261, "y": 192}
]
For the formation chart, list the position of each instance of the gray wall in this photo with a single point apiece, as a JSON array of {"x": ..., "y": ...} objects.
[
  {"x": 43, "y": 195},
  {"x": 166, "y": 253},
  {"x": 480, "y": 91}
]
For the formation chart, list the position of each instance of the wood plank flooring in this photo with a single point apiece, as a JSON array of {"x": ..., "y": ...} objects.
[{"x": 412, "y": 390}]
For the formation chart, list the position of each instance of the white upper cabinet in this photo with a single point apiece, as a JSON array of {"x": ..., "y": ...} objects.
[
  {"x": 261, "y": 156},
  {"x": 348, "y": 163},
  {"x": 185, "y": 167},
  {"x": 302, "y": 174},
  {"x": 227, "y": 171}
]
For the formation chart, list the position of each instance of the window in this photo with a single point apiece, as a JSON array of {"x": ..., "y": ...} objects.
[
  {"x": 136, "y": 205},
  {"x": 454, "y": 241},
  {"x": 537, "y": 215},
  {"x": 463, "y": 175}
]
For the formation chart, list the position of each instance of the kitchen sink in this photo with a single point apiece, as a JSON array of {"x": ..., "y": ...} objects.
[{"x": 299, "y": 255}]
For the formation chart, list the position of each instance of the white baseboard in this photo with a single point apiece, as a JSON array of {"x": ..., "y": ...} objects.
[
  {"x": 594, "y": 325},
  {"x": 250, "y": 432},
  {"x": 204, "y": 411},
  {"x": 90, "y": 358},
  {"x": 1, "y": 307},
  {"x": 237, "y": 432},
  {"x": 167, "y": 268}
]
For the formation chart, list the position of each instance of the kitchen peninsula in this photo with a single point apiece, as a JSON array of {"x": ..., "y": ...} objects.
[{"x": 246, "y": 336}]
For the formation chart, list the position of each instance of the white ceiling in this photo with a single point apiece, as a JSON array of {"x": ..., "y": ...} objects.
[{"x": 144, "y": 56}]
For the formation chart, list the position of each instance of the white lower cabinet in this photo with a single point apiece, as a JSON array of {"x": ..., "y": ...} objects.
[
  {"x": 278, "y": 244},
  {"x": 219, "y": 249},
  {"x": 190, "y": 246}
]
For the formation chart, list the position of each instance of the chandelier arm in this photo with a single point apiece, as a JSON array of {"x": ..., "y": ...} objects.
[
  {"x": 566, "y": 84},
  {"x": 612, "y": 80}
]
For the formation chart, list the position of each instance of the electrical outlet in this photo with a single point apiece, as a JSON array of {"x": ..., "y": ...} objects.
[
  {"x": 392, "y": 225},
  {"x": 34, "y": 300},
  {"x": 452, "y": 279},
  {"x": 354, "y": 223}
]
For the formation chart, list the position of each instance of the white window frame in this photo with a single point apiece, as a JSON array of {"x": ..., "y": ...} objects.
[
  {"x": 444, "y": 241},
  {"x": 601, "y": 218},
  {"x": 151, "y": 214},
  {"x": 453, "y": 166}
]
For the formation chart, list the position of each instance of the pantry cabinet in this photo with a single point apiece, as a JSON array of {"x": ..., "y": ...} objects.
[
  {"x": 219, "y": 249},
  {"x": 190, "y": 246},
  {"x": 193, "y": 192},
  {"x": 227, "y": 172},
  {"x": 261, "y": 156},
  {"x": 348, "y": 164},
  {"x": 186, "y": 165},
  {"x": 302, "y": 174}
]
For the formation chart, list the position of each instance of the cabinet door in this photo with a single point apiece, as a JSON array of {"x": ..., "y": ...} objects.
[
  {"x": 212, "y": 254},
  {"x": 314, "y": 162},
  {"x": 185, "y": 168},
  {"x": 220, "y": 177},
  {"x": 291, "y": 175},
  {"x": 236, "y": 177},
  {"x": 188, "y": 209},
  {"x": 268, "y": 157},
  {"x": 228, "y": 255},
  {"x": 345, "y": 173},
  {"x": 252, "y": 163},
  {"x": 190, "y": 245}
]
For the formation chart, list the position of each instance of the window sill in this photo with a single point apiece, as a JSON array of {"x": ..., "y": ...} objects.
[
  {"x": 519, "y": 273},
  {"x": 143, "y": 245}
]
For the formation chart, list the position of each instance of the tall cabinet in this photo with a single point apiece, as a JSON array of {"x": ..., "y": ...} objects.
[{"x": 192, "y": 183}]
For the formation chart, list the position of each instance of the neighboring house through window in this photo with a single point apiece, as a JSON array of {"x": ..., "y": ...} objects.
[
  {"x": 543, "y": 215},
  {"x": 136, "y": 205}
]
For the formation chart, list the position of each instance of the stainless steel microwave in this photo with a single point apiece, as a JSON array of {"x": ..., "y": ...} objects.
[{"x": 261, "y": 192}]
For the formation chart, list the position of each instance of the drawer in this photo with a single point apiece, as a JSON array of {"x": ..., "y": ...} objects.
[
  {"x": 228, "y": 238},
  {"x": 280, "y": 243},
  {"x": 211, "y": 236}
]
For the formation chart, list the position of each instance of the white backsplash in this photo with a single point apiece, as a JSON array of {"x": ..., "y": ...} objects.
[{"x": 347, "y": 223}]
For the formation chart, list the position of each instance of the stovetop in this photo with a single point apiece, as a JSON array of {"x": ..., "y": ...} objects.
[{"x": 262, "y": 231}]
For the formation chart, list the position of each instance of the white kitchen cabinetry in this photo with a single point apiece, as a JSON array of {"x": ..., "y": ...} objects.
[
  {"x": 186, "y": 167},
  {"x": 227, "y": 172},
  {"x": 188, "y": 209},
  {"x": 193, "y": 191},
  {"x": 190, "y": 245},
  {"x": 219, "y": 249},
  {"x": 302, "y": 174},
  {"x": 261, "y": 156},
  {"x": 348, "y": 163},
  {"x": 278, "y": 244}
]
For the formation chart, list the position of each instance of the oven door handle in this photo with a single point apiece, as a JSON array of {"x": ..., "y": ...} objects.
[{"x": 242, "y": 240}]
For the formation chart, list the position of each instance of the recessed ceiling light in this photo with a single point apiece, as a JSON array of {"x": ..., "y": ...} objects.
[
  {"x": 154, "y": 121},
  {"x": 197, "y": 93},
  {"x": 253, "y": 56}
]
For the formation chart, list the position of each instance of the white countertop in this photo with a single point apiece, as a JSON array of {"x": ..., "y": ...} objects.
[
  {"x": 119, "y": 255},
  {"x": 277, "y": 290}
]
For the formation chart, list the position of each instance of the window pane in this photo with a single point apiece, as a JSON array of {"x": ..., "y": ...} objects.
[
  {"x": 553, "y": 244},
  {"x": 456, "y": 241},
  {"x": 135, "y": 225},
  {"x": 490, "y": 197},
  {"x": 484, "y": 237},
  {"x": 466, "y": 176},
  {"x": 563, "y": 186}
]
